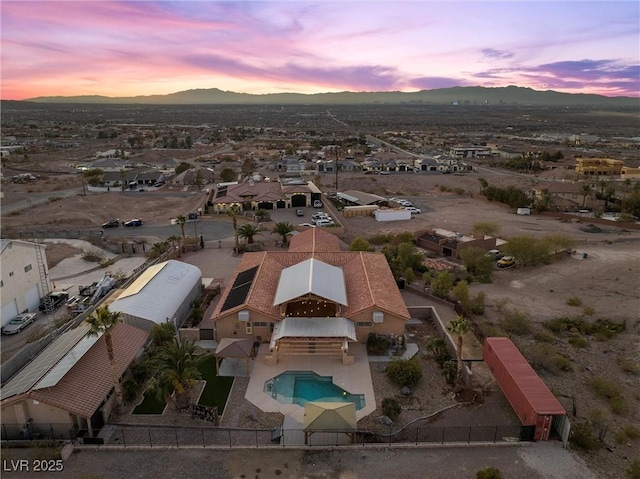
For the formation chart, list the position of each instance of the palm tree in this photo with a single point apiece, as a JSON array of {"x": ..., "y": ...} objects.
[
  {"x": 546, "y": 199},
  {"x": 459, "y": 327},
  {"x": 103, "y": 323},
  {"x": 177, "y": 371},
  {"x": 248, "y": 231},
  {"x": 174, "y": 239},
  {"x": 283, "y": 228},
  {"x": 181, "y": 220}
]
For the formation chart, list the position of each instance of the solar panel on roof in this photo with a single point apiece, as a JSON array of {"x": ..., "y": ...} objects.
[
  {"x": 240, "y": 288},
  {"x": 245, "y": 276},
  {"x": 67, "y": 362},
  {"x": 222, "y": 191}
]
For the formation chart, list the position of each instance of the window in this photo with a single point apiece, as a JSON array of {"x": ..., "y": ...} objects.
[
  {"x": 363, "y": 324},
  {"x": 10, "y": 274},
  {"x": 271, "y": 326},
  {"x": 248, "y": 329},
  {"x": 1, "y": 283},
  {"x": 27, "y": 268},
  {"x": 236, "y": 325},
  {"x": 260, "y": 324}
]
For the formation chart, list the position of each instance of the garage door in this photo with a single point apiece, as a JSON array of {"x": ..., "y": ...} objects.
[
  {"x": 265, "y": 205},
  {"x": 32, "y": 298},
  {"x": 298, "y": 200},
  {"x": 9, "y": 311},
  {"x": 281, "y": 204}
]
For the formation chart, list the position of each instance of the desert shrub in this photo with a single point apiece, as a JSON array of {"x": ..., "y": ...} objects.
[
  {"x": 583, "y": 438},
  {"x": 544, "y": 337},
  {"x": 601, "y": 329},
  {"x": 450, "y": 372},
  {"x": 628, "y": 365},
  {"x": 516, "y": 322},
  {"x": 441, "y": 285},
  {"x": 488, "y": 329},
  {"x": 603, "y": 387},
  {"x": 562, "y": 363},
  {"x": 478, "y": 303},
  {"x": 574, "y": 301},
  {"x": 488, "y": 473},
  {"x": 402, "y": 372},
  {"x": 501, "y": 303},
  {"x": 588, "y": 311},
  {"x": 628, "y": 433},
  {"x": 391, "y": 408},
  {"x": 619, "y": 405},
  {"x": 633, "y": 471},
  {"x": 543, "y": 358},
  {"x": 459, "y": 191},
  {"x": 377, "y": 345},
  {"x": 578, "y": 342},
  {"x": 92, "y": 257}
]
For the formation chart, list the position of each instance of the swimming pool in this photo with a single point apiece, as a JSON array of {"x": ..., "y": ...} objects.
[{"x": 299, "y": 387}]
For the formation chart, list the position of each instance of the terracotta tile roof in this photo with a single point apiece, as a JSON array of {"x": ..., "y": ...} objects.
[
  {"x": 368, "y": 278},
  {"x": 87, "y": 384},
  {"x": 256, "y": 191},
  {"x": 314, "y": 239}
]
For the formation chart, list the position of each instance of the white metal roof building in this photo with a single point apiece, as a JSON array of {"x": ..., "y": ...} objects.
[{"x": 164, "y": 292}]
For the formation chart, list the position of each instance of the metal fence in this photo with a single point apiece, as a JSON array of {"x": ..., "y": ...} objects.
[{"x": 170, "y": 436}]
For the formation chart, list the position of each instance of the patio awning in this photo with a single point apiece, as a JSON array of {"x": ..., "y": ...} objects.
[
  {"x": 330, "y": 416},
  {"x": 311, "y": 276},
  {"x": 234, "y": 348},
  {"x": 313, "y": 328}
]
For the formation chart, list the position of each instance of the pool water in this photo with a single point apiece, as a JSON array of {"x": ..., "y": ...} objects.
[{"x": 300, "y": 387}]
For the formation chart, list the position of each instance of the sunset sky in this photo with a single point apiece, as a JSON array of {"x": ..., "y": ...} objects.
[{"x": 128, "y": 48}]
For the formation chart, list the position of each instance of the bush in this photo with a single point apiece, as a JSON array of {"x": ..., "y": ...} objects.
[
  {"x": 633, "y": 472},
  {"x": 391, "y": 408},
  {"x": 437, "y": 349},
  {"x": 516, "y": 322},
  {"x": 574, "y": 301},
  {"x": 403, "y": 372},
  {"x": 628, "y": 365},
  {"x": 578, "y": 342},
  {"x": 563, "y": 363},
  {"x": 619, "y": 405},
  {"x": 130, "y": 390},
  {"x": 377, "y": 345},
  {"x": 488, "y": 473},
  {"x": 582, "y": 437},
  {"x": 544, "y": 337},
  {"x": 604, "y": 388},
  {"x": 627, "y": 433}
]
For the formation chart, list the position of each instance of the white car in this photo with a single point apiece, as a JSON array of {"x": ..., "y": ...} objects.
[
  {"x": 319, "y": 216},
  {"x": 414, "y": 211},
  {"x": 18, "y": 323},
  {"x": 325, "y": 223},
  {"x": 308, "y": 225},
  {"x": 405, "y": 202}
]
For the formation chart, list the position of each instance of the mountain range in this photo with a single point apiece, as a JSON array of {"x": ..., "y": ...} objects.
[{"x": 511, "y": 95}]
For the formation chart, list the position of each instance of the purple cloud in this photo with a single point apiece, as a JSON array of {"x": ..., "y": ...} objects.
[{"x": 496, "y": 54}]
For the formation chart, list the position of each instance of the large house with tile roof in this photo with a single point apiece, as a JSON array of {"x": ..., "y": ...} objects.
[
  {"x": 68, "y": 387},
  {"x": 313, "y": 299},
  {"x": 252, "y": 196}
]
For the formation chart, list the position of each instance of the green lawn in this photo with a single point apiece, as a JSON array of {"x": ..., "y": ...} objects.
[
  {"x": 150, "y": 405},
  {"x": 217, "y": 389}
]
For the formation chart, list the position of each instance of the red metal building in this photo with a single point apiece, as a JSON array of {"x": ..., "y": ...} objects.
[{"x": 528, "y": 395}]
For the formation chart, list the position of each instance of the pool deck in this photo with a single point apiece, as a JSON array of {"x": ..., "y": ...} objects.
[{"x": 354, "y": 378}]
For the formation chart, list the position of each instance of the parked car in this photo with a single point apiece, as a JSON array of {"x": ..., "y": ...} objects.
[
  {"x": 309, "y": 225},
  {"x": 18, "y": 323},
  {"x": 320, "y": 215},
  {"x": 383, "y": 172},
  {"x": 317, "y": 204},
  {"x": 506, "y": 261},
  {"x": 325, "y": 223},
  {"x": 135, "y": 222},
  {"x": 111, "y": 224},
  {"x": 299, "y": 213},
  {"x": 53, "y": 301},
  {"x": 495, "y": 254},
  {"x": 414, "y": 211}
]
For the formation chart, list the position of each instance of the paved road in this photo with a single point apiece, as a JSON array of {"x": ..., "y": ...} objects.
[{"x": 209, "y": 229}]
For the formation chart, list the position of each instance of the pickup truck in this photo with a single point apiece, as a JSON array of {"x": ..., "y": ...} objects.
[{"x": 53, "y": 301}]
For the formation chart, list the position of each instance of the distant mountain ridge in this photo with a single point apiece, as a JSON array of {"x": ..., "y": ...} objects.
[{"x": 511, "y": 95}]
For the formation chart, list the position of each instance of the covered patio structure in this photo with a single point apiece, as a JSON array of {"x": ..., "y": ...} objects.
[
  {"x": 230, "y": 348},
  {"x": 312, "y": 336},
  {"x": 329, "y": 418}
]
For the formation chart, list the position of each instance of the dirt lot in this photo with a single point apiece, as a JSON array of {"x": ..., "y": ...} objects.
[{"x": 606, "y": 283}]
